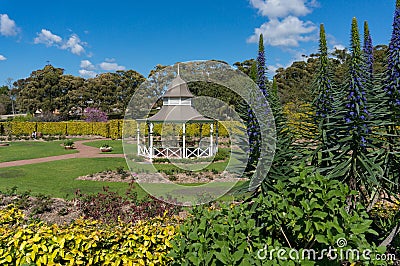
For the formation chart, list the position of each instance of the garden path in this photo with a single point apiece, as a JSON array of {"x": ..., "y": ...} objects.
[{"x": 83, "y": 152}]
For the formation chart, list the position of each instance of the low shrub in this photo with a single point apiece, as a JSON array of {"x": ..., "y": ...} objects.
[
  {"x": 68, "y": 143},
  {"x": 310, "y": 211},
  {"x": 222, "y": 235},
  {"x": 84, "y": 242}
]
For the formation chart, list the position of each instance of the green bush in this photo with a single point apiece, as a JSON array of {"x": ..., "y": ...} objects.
[
  {"x": 309, "y": 211},
  {"x": 306, "y": 212},
  {"x": 68, "y": 143},
  {"x": 225, "y": 235}
]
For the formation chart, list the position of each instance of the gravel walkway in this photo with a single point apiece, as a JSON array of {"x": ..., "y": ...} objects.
[{"x": 83, "y": 152}]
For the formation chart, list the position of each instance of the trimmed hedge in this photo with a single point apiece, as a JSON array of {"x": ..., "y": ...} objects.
[
  {"x": 84, "y": 242},
  {"x": 111, "y": 129}
]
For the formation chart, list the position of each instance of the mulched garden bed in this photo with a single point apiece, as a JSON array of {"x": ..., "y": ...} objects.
[{"x": 189, "y": 177}]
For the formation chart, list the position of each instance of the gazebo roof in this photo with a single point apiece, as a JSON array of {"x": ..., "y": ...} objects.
[
  {"x": 179, "y": 114},
  {"x": 178, "y": 89}
]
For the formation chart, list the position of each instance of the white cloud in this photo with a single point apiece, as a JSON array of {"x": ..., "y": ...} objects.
[
  {"x": 108, "y": 66},
  {"x": 283, "y": 8},
  {"x": 339, "y": 47},
  {"x": 8, "y": 26},
  {"x": 89, "y": 70},
  {"x": 74, "y": 44},
  {"x": 47, "y": 37},
  {"x": 86, "y": 64},
  {"x": 2, "y": 57},
  {"x": 334, "y": 43},
  {"x": 109, "y": 60},
  {"x": 87, "y": 73},
  {"x": 272, "y": 69},
  {"x": 287, "y": 32}
]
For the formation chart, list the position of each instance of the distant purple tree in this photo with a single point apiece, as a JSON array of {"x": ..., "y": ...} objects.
[{"x": 94, "y": 115}]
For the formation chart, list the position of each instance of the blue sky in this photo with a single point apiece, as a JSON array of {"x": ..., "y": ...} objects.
[{"x": 90, "y": 37}]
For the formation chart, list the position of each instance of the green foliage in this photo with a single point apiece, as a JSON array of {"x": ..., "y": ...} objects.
[
  {"x": 286, "y": 149},
  {"x": 105, "y": 145},
  {"x": 22, "y": 118},
  {"x": 216, "y": 91},
  {"x": 295, "y": 81},
  {"x": 309, "y": 211},
  {"x": 249, "y": 67},
  {"x": 68, "y": 143},
  {"x": 305, "y": 212},
  {"x": 222, "y": 235}
]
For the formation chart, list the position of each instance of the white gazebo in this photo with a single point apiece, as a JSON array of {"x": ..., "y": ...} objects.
[{"x": 177, "y": 109}]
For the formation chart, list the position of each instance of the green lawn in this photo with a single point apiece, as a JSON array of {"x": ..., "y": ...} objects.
[
  {"x": 116, "y": 144},
  {"x": 22, "y": 150},
  {"x": 57, "y": 178}
]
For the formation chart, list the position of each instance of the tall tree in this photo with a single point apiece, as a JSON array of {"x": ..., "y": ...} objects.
[
  {"x": 5, "y": 102},
  {"x": 70, "y": 101},
  {"x": 249, "y": 67},
  {"x": 295, "y": 81},
  {"x": 111, "y": 92},
  {"x": 40, "y": 90}
]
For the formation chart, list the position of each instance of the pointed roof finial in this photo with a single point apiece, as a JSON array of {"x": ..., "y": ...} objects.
[{"x": 178, "y": 69}]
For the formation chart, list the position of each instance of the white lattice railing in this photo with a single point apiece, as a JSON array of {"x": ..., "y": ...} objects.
[
  {"x": 177, "y": 152},
  {"x": 173, "y": 152}
]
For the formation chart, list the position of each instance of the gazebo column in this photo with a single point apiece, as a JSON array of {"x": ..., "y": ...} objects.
[
  {"x": 216, "y": 137},
  {"x": 138, "y": 137},
  {"x": 184, "y": 140},
  {"x": 151, "y": 150},
  {"x": 211, "y": 139}
]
